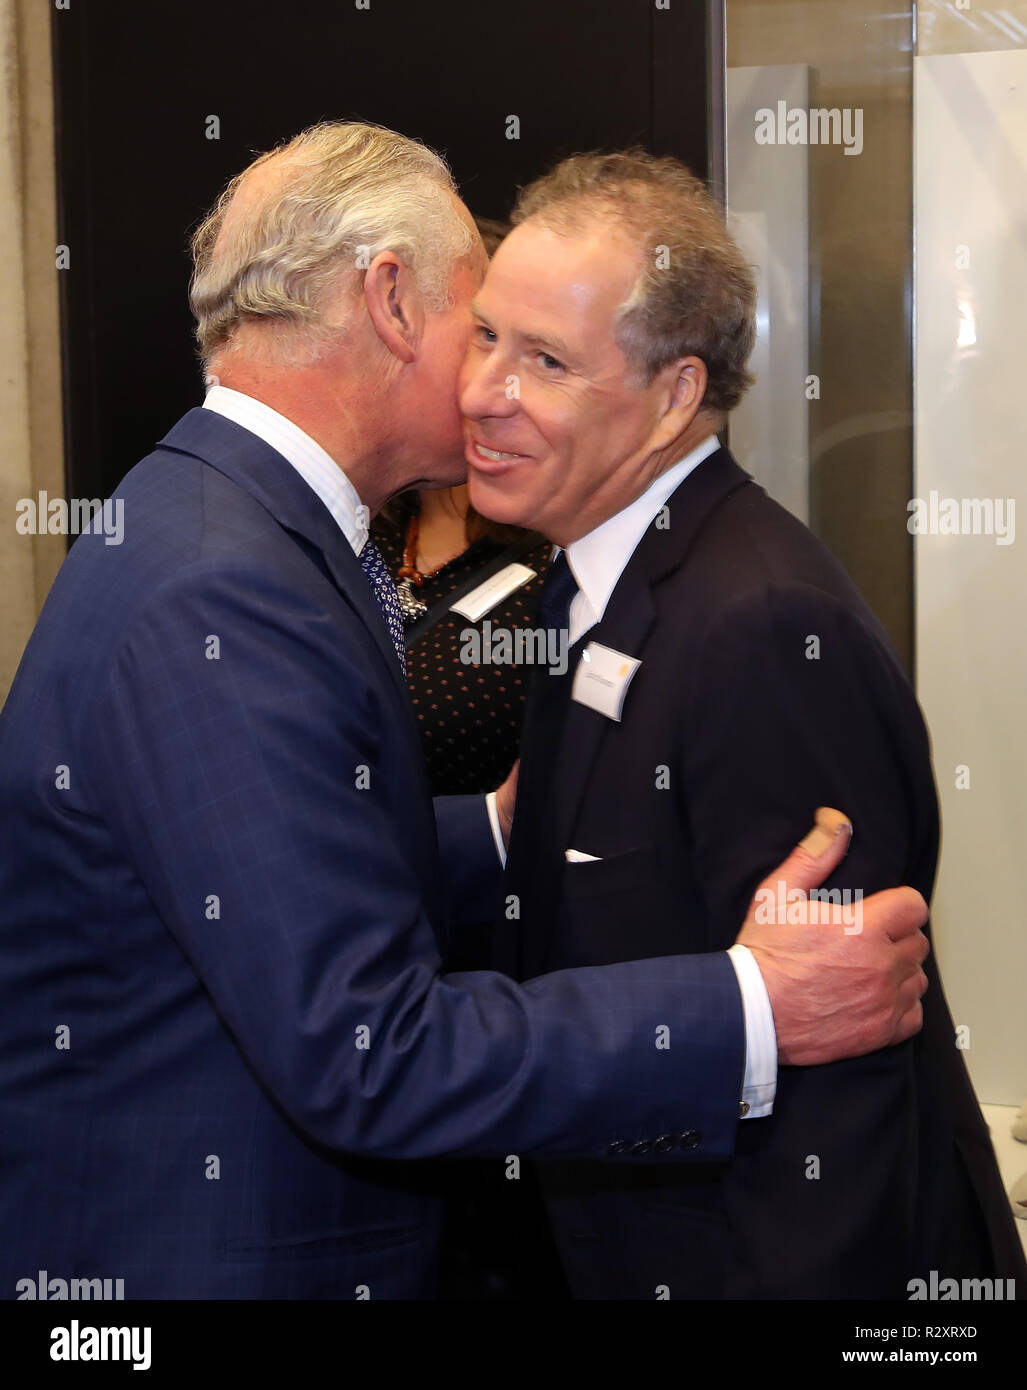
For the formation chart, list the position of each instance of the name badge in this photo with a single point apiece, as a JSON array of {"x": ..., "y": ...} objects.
[
  {"x": 479, "y": 601},
  {"x": 602, "y": 679}
]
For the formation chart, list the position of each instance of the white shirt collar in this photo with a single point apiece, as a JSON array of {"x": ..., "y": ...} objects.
[
  {"x": 598, "y": 560},
  {"x": 314, "y": 465}
]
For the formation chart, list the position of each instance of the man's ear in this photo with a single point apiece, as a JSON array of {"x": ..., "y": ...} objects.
[
  {"x": 394, "y": 305},
  {"x": 685, "y": 391}
]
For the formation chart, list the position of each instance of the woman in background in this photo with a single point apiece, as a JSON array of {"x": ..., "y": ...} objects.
[
  {"x": 437, "y": 547},
  {"x": 498, "y": 1243}
]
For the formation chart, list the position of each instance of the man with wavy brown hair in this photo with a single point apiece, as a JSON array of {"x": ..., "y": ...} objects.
[{"x": 720, "y": 658}]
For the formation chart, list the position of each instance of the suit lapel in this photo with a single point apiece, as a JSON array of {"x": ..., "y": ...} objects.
[
  {"x": 629, "y": 618},
  {"x": 554, "y": 778},
  {"x": 269, "y": 478}
]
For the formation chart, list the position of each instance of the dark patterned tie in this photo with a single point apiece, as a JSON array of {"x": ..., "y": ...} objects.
[{"x": 374, "y": 567}]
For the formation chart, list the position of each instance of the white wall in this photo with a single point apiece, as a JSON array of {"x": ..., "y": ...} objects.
[{"x": 970, "y": 114}]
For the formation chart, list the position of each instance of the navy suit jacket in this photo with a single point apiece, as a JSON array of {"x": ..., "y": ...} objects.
[
  {"x": 221, "y": 917},
  {"x": 766, "y": 688}
]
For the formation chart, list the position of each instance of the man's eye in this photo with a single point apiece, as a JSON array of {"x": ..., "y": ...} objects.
[
  {"x": 486, "y": 334},
  {"x": 550, "y": 362}
]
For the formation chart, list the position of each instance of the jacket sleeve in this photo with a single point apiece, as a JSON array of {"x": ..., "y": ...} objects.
[
  {"x": 800, "y": 704},
  {"x": 472, "y": 874},
  {"x": 231, "y": 781}
]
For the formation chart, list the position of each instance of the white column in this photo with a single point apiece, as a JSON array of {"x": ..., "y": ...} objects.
[
  {"x": 971, "y": 586},
  {"x": 31, "y": 445}
]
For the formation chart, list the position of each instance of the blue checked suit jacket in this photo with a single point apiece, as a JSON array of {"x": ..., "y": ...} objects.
[{"x": 224, "y": 898}]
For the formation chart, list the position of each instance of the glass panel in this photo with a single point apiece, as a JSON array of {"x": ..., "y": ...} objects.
[
  {"x": 824, "y": 203},
  {"x": 969, "y": 27},
  {"x": 971, "y": 575}
]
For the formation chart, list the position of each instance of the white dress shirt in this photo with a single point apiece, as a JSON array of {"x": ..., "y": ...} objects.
[
  {"x": 597, "y": 562},
  {"x": 315, "y": 466}
]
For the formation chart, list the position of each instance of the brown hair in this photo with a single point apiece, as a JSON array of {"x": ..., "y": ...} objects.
[
  {"x": 695, "y": 294},
  {"x": 492, "y": 232},
  {"x": 399, "y": 510}
]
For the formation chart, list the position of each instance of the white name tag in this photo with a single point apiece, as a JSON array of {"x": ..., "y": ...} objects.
[
  {"x": 485, "y": 597},
  {"x": 602, "y": 679}
]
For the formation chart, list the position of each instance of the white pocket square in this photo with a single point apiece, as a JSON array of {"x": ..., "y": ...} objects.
[{"x": 577, "y": 856}]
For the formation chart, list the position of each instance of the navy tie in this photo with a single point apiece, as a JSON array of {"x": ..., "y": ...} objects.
[
  {"x": 558, "y": 591},
  {"x": 535, "y": 859},
  {"x": 374, "y": 567}
]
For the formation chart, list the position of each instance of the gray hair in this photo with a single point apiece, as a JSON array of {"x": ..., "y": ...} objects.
[
  {"x": 352, "y": 191},
  {"x": 695, "y": 295}
]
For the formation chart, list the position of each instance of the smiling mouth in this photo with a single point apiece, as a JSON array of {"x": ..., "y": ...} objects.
[{"x": 494, "y": 455}]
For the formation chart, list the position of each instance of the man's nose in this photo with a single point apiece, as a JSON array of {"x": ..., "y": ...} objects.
[{"x": 487, "y": 390}]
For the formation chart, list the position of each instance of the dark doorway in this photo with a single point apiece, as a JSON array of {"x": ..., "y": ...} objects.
[{"x": 137, "y": 84}]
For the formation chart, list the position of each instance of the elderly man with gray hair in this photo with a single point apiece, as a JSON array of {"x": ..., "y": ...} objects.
[{"x": 225, "y": 891}]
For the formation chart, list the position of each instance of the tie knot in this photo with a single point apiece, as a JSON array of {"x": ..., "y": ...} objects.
[{"x": 371, "y": 561}]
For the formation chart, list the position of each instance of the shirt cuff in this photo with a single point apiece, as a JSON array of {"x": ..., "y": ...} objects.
[
  {"x": 760, "y": 1084},
  {"x": 492, "y": 806}
]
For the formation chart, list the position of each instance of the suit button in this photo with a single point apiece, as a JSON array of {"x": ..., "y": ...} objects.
[
  {"x": 665, "y": 1143},
  {"x": 642, "y": 1147},
  {"x": 691, "y": 1139},
  {"x": 617, "y": 1146}
]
